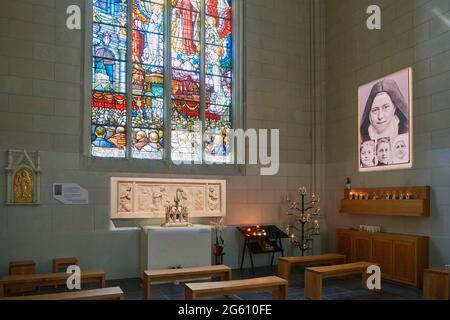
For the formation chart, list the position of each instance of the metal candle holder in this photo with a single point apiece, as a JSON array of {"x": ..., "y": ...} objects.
[{"x": 303, "y": 212}]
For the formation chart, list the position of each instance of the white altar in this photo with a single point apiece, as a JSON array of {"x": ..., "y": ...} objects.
[{"x": 163, "y": 247}]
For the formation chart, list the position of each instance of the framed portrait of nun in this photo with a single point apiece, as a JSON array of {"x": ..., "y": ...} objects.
[{"x": 385, "y": 126}]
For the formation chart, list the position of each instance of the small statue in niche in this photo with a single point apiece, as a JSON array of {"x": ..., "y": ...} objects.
[{"x": 23, "y": 186}]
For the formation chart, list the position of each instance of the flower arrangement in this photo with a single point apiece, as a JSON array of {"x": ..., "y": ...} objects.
[{"x": 218, "y": 228}]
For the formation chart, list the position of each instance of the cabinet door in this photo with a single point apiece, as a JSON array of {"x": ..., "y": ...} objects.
[
  {"x": 382, "y": 253},
  {"x": 404, "y": 267},
  {"x": 362, "y": 249},
  {"x": 344, "y": 245}
]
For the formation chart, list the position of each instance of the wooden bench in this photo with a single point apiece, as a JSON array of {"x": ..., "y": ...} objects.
[
  {"x": 50, "y": 279},
  {"x": 59, "y": 263},
  {"x": 314, "y": 276},
  {"x": 285, "y": 264},
  {"x": 277, "y": 285},
  {"x": 152, "y": 276},
  {"x": 113, "y": 293}
]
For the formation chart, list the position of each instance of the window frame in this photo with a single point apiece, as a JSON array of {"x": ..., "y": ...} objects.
[{"x": 165, "y": 165}]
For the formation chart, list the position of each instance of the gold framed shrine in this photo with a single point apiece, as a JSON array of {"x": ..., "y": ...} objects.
[{"x": 23, "y": 171}]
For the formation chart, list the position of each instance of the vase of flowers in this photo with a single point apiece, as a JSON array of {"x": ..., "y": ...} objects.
[{"x": 219, "y": 242}]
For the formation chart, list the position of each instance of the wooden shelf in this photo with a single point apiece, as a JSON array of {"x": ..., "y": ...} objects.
[{"x": 419, "y": 206}]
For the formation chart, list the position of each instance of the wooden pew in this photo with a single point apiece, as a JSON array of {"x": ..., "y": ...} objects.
[
  {"x": 113, "y": 293},
  {"x": 50, "y": 279},
  {"x": 152, "y": 276},
  {"x": 278, "y": 286},
  {"x": 285, "y": 264},
  {"x": 314, "y": 276}
]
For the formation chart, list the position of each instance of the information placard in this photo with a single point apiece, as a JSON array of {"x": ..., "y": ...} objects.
[{"x": 70, "y": 193}]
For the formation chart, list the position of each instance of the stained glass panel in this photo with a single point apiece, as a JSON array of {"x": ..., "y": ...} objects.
[
  {"x": 218, "y": 61},
  {"x": 218, "y": 90},
  {"x": 218, "y": 31},
  {"x": 217, "y": 135},
  {"x": 186, "y": 25},
  {"x": 148, "y": 143},
  {"x": 108, "y": 129},
  {"x": 193, "y": 5},
  {"x": 110, "y": 12},
  {"x": 109, "y": 41},
  {"x": 148, "y": 48},
  {"x": 148, "y": 80},
  {"x": 147, "y": 112},
  {"x": 109, "y": 75},
  {"x": 219, "y": 8},
  {"x": 186, "y": 115},
  {"x": 182, "y": 60},
  {"x": 148, "y": 16},
  {"x": 185, "y": 85}
]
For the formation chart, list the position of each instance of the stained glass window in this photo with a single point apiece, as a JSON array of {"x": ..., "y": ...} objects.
[
  {"x": 133, "y": 45},
  {"x": 109, "y": 79}
]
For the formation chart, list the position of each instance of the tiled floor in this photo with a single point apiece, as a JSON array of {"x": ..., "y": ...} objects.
[{"x": 348, "y": 288}]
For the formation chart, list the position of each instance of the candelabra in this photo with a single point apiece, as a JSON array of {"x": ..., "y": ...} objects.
[{"x": 303, "y": 228}]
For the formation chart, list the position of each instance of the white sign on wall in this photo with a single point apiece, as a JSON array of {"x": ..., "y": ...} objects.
[{"x": 70, "y": 193}]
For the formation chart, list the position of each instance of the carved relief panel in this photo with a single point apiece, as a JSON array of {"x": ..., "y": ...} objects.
[{"x": 148, "y": 197}]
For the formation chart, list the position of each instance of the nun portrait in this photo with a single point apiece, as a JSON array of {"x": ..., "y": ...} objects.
[{"x": 386, "y": 112}]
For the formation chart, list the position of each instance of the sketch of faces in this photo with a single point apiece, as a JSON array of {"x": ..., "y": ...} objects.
[
  {"x": 382, "y": 112},
  {"x": 385, "y": 122},
  {"x": 384, "y": 151},
  {"x": 368, "y": 154}
]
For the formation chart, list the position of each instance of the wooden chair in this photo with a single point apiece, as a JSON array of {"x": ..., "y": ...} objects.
[
  {"x": 278, "y": 286},
  {"x": 113, "y": 293},
  {"x": 314, "y": 276},
  {"x": 285, "y": 264},
  {"x": 152, "y": 276},
  {"x": 50, "y": 279}
]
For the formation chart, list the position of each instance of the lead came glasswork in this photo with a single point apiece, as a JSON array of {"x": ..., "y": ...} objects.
[
  {"x": 109, "y": 78},
  {"x": 113, "y": 37}
]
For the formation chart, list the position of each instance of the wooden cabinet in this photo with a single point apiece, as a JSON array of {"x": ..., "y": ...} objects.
[
  {"x": 402, "y": 258},
  {"x": 382, "y": 253},
  {"x": 436, "y": 284},
  {"x": 362, "y": 249}
]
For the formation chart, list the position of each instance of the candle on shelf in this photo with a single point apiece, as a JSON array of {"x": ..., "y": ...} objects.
[{"x": 351, "y": 196}]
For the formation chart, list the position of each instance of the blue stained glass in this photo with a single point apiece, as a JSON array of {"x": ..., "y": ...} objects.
[
  {"x": 110, "y": 12},
  {"x": 109, "y": 41},
  {"x": 148, "y": 16},
  {"x": 109, "y": 75}
]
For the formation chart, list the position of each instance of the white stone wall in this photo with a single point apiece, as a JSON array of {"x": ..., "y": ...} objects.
[
  {"x": 414, "y": 33},
  {"x": 41, "y": 83}
]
